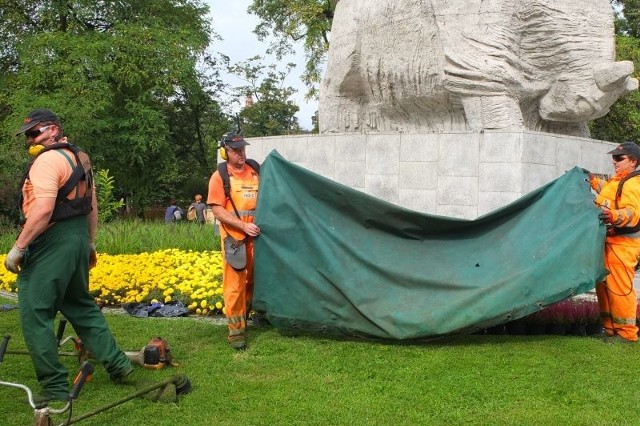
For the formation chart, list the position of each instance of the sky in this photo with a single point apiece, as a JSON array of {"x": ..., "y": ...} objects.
[{"x": 231, "y": 21}]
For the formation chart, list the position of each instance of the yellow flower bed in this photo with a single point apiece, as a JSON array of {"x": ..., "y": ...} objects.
[{"x": 194, "y": 278}]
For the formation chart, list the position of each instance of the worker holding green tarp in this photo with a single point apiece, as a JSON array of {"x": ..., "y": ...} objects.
[
  {"x": 340, "y": 261},
  {"x": 619, "y": 198},
  {"x": 233, "y": 190}
]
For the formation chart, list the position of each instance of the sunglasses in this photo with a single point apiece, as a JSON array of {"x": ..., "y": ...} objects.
[
  {"x": 619, "y": 158},
  {"x": 36, "y": 133}
]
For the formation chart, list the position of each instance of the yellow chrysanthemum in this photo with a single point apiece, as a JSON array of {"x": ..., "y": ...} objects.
[{"x": 191, "y": 277}]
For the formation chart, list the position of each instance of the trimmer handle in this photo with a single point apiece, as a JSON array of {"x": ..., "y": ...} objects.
[
  {"x": 86, "y": 369},
  {"x": 61, "y": 326},
  {"x": 3, "y": 346}
]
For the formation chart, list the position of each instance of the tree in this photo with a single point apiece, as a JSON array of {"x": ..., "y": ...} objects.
[
  {"x": 622, "y": 123},
  {"x": 627, "y": 17},
  {"x": 196, "y": 122},
  {"x": 308, "y": 21},
  {"x": 270, "y": 111},
  {"x": 120, "y": 75}
]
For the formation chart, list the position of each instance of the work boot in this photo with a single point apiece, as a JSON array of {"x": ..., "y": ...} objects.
[
  {"x": 121, "y": 377},
  {"x": 46, "y": 400},
  {"x": 259, "y": 321},
  {"x": 617, "y": 339},
  {"x": 238, "y": 343}
]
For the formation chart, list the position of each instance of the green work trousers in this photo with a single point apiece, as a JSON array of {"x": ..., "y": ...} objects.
[{"x": 54, "y": 277}]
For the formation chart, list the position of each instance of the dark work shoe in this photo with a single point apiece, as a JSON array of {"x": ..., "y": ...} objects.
[
  {"x": 41, "y": 401},
  {"x": 239, "y": 343},
  {"x": 121, "y": 378},
  {"x": 601, "y": 336},
  {"x": 259, "y": 321},
  {"x": 617, "y": 339}
]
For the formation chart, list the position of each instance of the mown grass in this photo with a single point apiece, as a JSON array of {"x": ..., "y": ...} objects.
[
  {"x": 286, "y": 379},
  {"x": 136, "y": 236}
]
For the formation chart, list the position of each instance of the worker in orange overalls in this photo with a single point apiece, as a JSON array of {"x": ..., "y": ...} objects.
[
  {"x": 619, "y": 200},
  {"x": 236, "y": 214}
]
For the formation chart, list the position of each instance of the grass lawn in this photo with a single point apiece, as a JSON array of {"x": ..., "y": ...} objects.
[
  {"x": 135, "y": 236},
  {"x": 300, "y": 379}
]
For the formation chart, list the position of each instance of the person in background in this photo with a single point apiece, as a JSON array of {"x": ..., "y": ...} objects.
[
  {"x": 173, "y": 213},
  {"x": 53, "y": 253},
  {"x": 619, "y": 202},
  {"x": 236, "y": 214},
  {"x": 198, "y": 207}
]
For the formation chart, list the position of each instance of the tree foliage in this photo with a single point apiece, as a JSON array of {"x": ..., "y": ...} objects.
[
  {"x": 126, "y": 79},
  {"x": 270, "y": 110},
  {"x": 622, "y": 123},
  {"x": 308, "y": 21},
  {"x": 627, "y": 17}
]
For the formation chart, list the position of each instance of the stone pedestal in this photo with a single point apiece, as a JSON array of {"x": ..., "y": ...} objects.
[{"x": 462, "y": 175}]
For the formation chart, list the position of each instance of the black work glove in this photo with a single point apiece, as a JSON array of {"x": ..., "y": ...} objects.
[
  {"x": 588, "y": 173},
  {"x": 606, "y": 215}
]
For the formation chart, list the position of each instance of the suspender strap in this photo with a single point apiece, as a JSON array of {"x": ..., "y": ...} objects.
[
  {"x": 65, "y": 208},
  {"x": 625, "y": 229},
  {"x": 621, "y": 184}
]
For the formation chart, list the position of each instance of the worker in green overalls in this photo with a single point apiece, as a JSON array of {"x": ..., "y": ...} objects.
[{"x": 53, "y": 254}]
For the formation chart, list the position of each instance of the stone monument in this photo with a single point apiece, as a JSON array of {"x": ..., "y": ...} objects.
[
  {"x": 458, "y": 107},
  {"x": 456, "y": 65}
]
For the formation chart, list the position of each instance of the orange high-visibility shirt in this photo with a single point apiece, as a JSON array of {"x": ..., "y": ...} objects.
[
  {"x": 244, "y": 191},
  {"x": 49, "y": 172},
  {"x": 627, "y": 212}
]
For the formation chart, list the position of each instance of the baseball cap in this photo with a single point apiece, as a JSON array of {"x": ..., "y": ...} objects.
[
  {"x": 627, "y": 148},
  {"x": 37, "y": 116},
  {"x": 233, "y": 141}
]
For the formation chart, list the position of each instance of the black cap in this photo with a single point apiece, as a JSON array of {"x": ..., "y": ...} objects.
[
  {"x": 37, "y": 116},
  {"x": 233, "y": 141},
  {"x": 627, "y": 148}
]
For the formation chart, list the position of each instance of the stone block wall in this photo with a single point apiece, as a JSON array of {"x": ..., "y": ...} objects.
[{"x": 462, "y": 175}]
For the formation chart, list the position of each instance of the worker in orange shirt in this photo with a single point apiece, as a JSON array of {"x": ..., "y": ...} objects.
[
  {"x": 619, "y": 201},
  {"x": 235, "y": 208}
]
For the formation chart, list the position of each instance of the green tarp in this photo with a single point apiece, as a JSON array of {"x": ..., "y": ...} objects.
[{"x": 334, "y": 259}]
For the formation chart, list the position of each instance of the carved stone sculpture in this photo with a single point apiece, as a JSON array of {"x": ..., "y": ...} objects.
[{"x": 460, "y": 65}]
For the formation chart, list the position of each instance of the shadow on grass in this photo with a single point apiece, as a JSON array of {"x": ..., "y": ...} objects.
[{"x": 462, "y": 339}]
